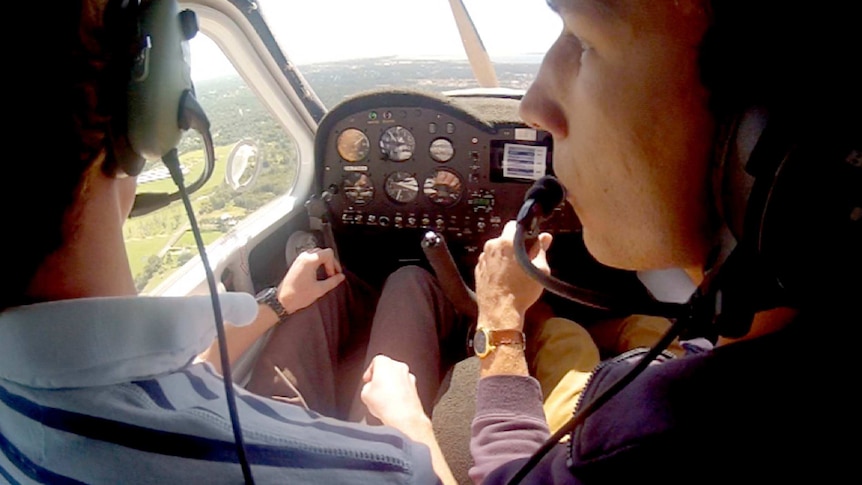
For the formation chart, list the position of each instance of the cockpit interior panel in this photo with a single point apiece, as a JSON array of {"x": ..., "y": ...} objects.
[{"x": 396, "y": 164}]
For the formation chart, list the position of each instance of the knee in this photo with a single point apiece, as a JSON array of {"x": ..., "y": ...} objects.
[{"x": 410, "y": 276}]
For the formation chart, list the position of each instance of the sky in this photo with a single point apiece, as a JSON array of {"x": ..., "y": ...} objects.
[{"x": 329, "y": 30}]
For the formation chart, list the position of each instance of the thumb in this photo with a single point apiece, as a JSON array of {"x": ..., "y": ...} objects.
[
  {"x": 369, "y": 373},
  {"x": 331, "y": 282},
  {"x": 545, "y": 239},
  {"x": 541, "y": 261}
]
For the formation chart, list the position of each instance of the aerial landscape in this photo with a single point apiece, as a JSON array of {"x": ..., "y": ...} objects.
[{"x": 160, "y": 242}]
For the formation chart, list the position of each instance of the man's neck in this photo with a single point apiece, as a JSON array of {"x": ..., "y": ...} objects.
[{"x": 92, "y": 261}]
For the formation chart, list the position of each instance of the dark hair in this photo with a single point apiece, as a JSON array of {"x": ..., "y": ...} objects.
[
  {"x": 59, "y": 130},
  {"x": 790, "y": 57}
]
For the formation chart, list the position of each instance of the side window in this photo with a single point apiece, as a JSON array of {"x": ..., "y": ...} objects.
[{"x": 256, "y": 161}]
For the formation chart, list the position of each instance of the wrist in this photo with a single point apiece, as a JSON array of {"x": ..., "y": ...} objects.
[
  {"x": 501, "y": 318},
  {"x": 416, "y": 427},
  {"x": 268, "y": 297},
  {"x": 505, "y": 360}
]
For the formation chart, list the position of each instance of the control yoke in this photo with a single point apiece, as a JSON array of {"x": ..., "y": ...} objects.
[{"x": 462, "y": 297}]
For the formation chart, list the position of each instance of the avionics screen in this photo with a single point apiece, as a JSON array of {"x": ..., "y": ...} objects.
[{"x": 519, "y": 161}]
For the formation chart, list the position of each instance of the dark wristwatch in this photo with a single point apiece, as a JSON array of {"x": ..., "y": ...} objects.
[
  {"x": 269, "y": 297},
  {"x": 486, "y": 340}
]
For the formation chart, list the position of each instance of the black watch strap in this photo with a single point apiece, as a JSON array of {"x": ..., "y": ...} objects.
[{"x": 269, "y": 297}]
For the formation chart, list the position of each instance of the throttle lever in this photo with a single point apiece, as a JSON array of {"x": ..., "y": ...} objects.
[{"x": 462, "y": 297}]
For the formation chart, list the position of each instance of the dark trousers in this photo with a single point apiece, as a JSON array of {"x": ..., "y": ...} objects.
[{"x": 324, "y": 349}]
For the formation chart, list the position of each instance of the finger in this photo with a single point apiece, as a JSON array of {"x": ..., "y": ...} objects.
[
  {"x": 310, "y": 257},
  {"x": 541, "y": 262},
  {"x": 546, "y": 239},
  {"x": 412, "y": 379},
  {"x": 509, "y": 231},
  {"x": 328, "y": 260},
  {"x": 330, "y": 283},
  {"x": 369, "y": 372}
]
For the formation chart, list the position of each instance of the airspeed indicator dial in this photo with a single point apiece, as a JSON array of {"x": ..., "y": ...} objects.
[{"x": 352, "y": 145}]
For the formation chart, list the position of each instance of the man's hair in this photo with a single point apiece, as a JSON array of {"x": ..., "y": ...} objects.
[
  {"x": 795, "y": 58},
  {"x": 60, "y": 128}
]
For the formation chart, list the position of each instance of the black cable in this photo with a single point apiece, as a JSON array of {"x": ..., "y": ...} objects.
[
  {"x": 530, "y": 212},
  {"x": 172, "y": 161},
  {"x": 639, "y": 304},
  {"x": 585, "y": 410}
]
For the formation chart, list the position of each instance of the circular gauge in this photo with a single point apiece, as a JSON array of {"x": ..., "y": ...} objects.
[
  {"x": 358, "y": 188},
  {"x": 443, "y": 187},
  {"x": 397, "y": 144},
  {"x": 441, "y": 150},
  {"x": 352, "y": 145},
  {"x": 401, "y": 187}
]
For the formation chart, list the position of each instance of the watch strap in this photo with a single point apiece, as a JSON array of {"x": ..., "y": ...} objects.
[
  {"x": 495, "y": 338},
  {"x": 269, "y": 297}
]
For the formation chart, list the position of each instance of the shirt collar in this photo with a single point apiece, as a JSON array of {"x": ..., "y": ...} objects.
[
  {"x": 668, "y": 285},
  {"x": 102, "y": 341}
]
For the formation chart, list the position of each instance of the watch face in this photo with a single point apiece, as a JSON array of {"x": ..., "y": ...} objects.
[{"x": 480, "y": 342}]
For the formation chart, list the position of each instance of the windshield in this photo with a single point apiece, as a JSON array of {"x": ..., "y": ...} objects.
[{"x": 343, "y": 46}]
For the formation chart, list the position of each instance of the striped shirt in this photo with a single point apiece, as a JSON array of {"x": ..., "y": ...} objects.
[{"x": 103, "y": 391}]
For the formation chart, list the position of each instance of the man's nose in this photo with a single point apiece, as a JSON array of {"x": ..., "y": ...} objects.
[{"x": 539, "y": 110}]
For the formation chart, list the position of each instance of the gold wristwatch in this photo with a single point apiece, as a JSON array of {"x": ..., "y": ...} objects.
[{"x": 486, "y": 340}]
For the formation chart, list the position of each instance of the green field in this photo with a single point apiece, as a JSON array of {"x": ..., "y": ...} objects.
[
  {"x": 140, "y": 249},
  {"x": 165, "y": 232}
]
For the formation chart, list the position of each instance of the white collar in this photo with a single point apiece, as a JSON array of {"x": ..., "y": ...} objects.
[
  {"x": 102, "y": 341},
  {"x": 668, "y": 285}
]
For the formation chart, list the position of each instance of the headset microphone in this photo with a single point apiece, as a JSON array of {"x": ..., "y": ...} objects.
[
  {"x": 545, "y": 194},
  {"x": 540, "y": 200}
]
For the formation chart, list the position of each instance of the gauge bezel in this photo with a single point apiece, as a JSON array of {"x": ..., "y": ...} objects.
[
  {"x": 389, "y": 132},
  {"x": 394, "y": 199},
  {"x": 361, "y": 201},
  {"x": 433, "y": 176},
  {"x": 451, "y": 147},
  {"x": 364, "y": 152}
]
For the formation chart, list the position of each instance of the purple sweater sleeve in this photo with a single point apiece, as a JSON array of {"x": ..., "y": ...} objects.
[{"x": 509, "y": 422}]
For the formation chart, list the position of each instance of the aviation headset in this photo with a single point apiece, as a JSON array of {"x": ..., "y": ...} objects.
[
  {"x": 157, "y": 104},
  {"x": 799, "y": 240}
]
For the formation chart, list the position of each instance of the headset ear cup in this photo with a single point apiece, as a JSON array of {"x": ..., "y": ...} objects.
[
  {"x": 736, "y": 183},
  {"x": 810, "y": 233},
  {"x": 158, "y": 76}
]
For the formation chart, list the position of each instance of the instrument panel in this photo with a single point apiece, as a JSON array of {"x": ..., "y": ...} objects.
[{"x": 399, "y": 163}]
